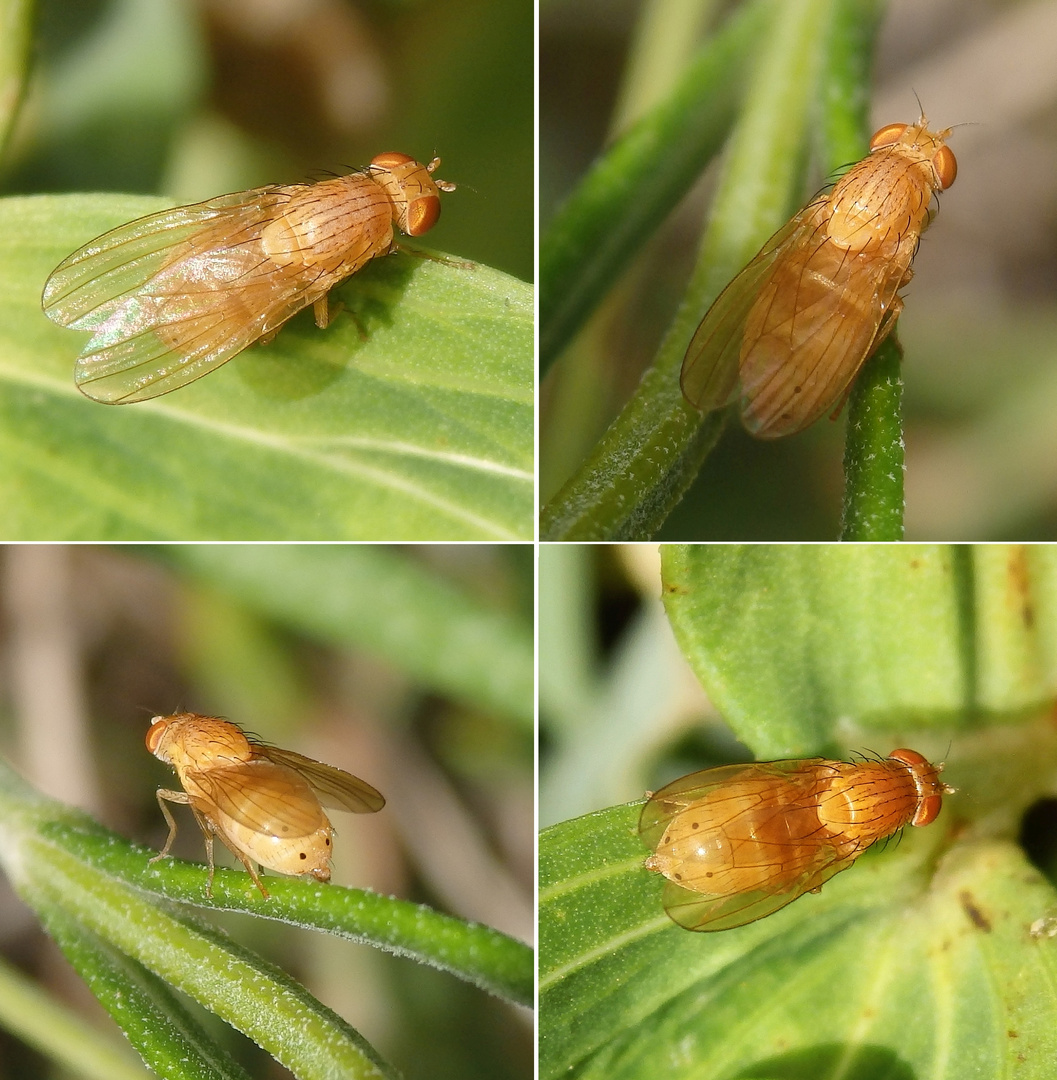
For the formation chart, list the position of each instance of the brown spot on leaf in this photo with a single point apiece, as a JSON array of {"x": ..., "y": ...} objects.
[{"x": 974, "y": 913}]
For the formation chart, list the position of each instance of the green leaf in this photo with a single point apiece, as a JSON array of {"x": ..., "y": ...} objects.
[
  {"x": 873, "y": 449},
  {"x": 791, "y": 640},
  {"x": 914, "y": 962},
  {"x": 92, "y": 889},
  {"x": 635, "y": 184},
  {"x": 422, "y": 430},
  {"x": 248, "y": 992},
  {"x": 810, "y": 86},
  {"x": 381, "y": 600}
]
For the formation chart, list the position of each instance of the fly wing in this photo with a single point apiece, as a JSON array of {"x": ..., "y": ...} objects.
[
  {"x": 263, "y": 796},
  {"x": 695, "y": 911},
  {"x": 675, "y": 797},
  {"x": 87, "y": 286},
  {"x": 172, "y": 296},
  {"x": 335, "y": 787},
  {"x": 814, "y": 323},
  {"x": 709, "y": 377}
]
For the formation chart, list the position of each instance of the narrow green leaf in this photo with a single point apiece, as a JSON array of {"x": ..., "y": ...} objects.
[
  {"x": 42, "y": 1022},
  {"x": 844, "y": 92},
  {"x": 248, "y": 992},
  {"x": 873, "y": 450},
  {"x": 422, "y": 429},
  {"x": 79, "y": 847},
  {"x": 145, "y": 1009},
  {"x": 472, "y": 952},
  {"x": 381, "y": 600}
]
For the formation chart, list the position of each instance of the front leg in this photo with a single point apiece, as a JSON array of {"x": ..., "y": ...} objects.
[
  {"x": 204, "y": 824},
  {"x": 165, "y": 796},
  {"x": 418, "y": 253},
  {"x": 322, "y": 313},
  {"x": 888, "y": 322}
]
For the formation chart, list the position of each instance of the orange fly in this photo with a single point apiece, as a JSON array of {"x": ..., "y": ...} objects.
[
  {"x": 788, "y": 335},
  {"x": 739, "y": 842},
  {"x": 262, "y": 802},
  {"x": 172, "y": 296}
]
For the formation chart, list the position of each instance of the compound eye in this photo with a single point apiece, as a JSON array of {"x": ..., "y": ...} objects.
[
  {"x": 390, "y": 160},
  {"x": 946, "y": 166},
  {"x": 422, "y": 215},
  {"x": 154, "y": 732},
  {"x": 887, "y": 136}
]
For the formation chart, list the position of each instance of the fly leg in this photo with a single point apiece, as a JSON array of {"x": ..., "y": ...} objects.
[
  {"x": 325, "y": 315},
  {"x": 253, "y": 873},
  {"x": 207, "y": 836},
  {"x": 165, "y": 796},
  {"x": 887, "y": 323},
  {"x": 322, "y": 313},
  {"x": 418, "y": 253},
  {"x": 250, "y": 868}
]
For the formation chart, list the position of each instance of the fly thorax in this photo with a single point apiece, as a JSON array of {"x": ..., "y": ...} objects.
[
  {"x": 866, "y": 802},
  {"x": 870, "y": 215}
]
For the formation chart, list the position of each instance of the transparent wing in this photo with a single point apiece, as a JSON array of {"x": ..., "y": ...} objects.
[
  {"x": 263, "y": 796},
  {"x": 85, "y": 287},
  {"x": 172, "y": 296},
  {"x": 335, "y": 787},
  {"x": 695, "y": 911},
  {"x": 814, "y": 323},
  {"x": 675, "y": 797},
  {"x": 709, "y": 377}
]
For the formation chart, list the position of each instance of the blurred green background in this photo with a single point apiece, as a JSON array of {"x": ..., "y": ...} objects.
[
  {"x": 621, "y": 712},
  {"x": 980, "y": 326},
  {"x": 192, "y": 99},
  {"x": 410, "y": 667}
]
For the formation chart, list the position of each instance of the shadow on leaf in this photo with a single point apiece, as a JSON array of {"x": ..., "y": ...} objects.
[{"x": 831, "y": 1059}]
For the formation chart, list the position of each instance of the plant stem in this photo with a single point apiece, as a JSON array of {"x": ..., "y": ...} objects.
[{"x": 873, "y": 448}]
